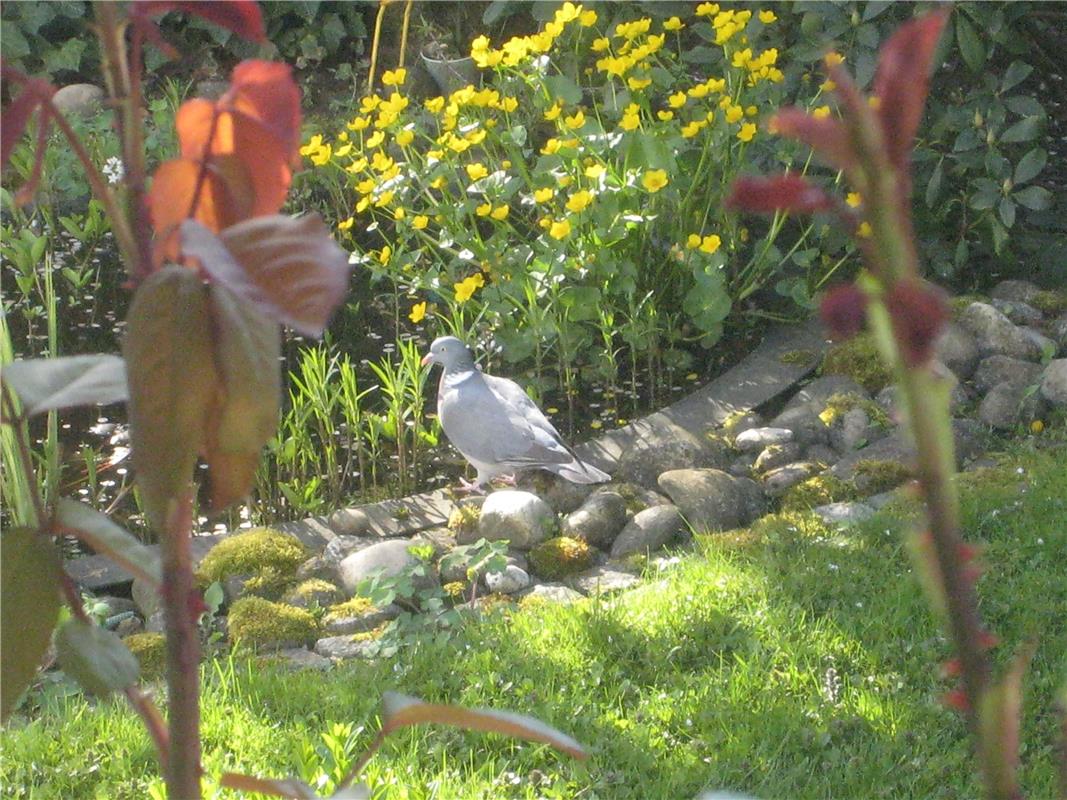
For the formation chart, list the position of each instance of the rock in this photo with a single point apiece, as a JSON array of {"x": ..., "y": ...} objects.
[
  {"x": 389, "y": 558},
  {"x": 803, "y": 420},
  {"x": 1009, "y": 403},
  {"x": 823, "y": 388},
  {"x": 129, "y": 626},
  {"x": 349, "y": 522},
  {"x": 340, "y": 647},
  {"x": 852, "y": 430},
  {"x": 79, "y": 98},
  {"x": 297, "y": 658},
  {"x": 211, "y": 89},
  {"x": 602, "y": 580},
  {"x": 1017, "y": 291},
  {"x": 959, "y": 397},
  {"x": 338, "y": 548},
  {"x": 666, "y": 447},
  {"x": 844, "y": 513},
  {"x": 1058, "y": 328},
  {"x": 145, "y": 597},
  {"x": 598, "y": 521},
  {"x": 233, "y": 587},
  {"x": 971, "y": 438},
  {"x": 319, "y": 567},
  {"x": 739, "y": 422},
  {"x": 564, "y": 496},
  {"x": 957, "y": 350},
  {"x": 442, "y": 540},
  {"x": 778, "y": 481},
  {"x": 552, "y": 593},
  {"x": 637, "y": 498},
  {"x": 742, "y": 466},
  {"x": 1018, "y": 312},
  {"x": 756, "y": 439},
  {"x": 777, "y": 455},
  {"x": 520, "y": 518},
  {"x": 711, "y": 499},
  {"x": 649, "y": 530},
  {"x": 1005, "y": 369},
  {"x": 117, "y": 605},
  {"x": 1054, "y": 382},
  {"x": 513, "y": 579},
  {"x": 339, "y": 624},
  {"x": 1046, "y": 347},
  {"x": 155, "y": 623},
  {"x": 821, "y": 454},
  {"x": 995, "y": 333}
]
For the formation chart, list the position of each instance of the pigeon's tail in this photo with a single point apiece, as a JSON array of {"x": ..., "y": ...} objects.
[{"x": 577, "y": 471}]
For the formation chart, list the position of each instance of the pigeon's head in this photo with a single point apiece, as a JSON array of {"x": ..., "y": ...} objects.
[{"x": 449, "y": 352}]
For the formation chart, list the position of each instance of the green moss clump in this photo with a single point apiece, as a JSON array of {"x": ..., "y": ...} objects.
[
  {"x": 733, "y": 421},
  {"x": 843, "y": 402},
  {"x": 798, "y": 357},
  {"x": 873, "y": 476},
  {"x": 269, "y": 556},
  {"x": 257, "y": 622},
  {"x": 629, "y": 493},
  {"x": 151, "y": 652},
  {"x": 788, "y": 525},
  {"x": 858, "y": 358},
  {"x": 464, "y": 519},
  {"x": 456, "y": 591},
  {"x": 313, "y": 590},
  {"x": 817, "y": 491},
  {"x": 561, "y": 556},
  {"x": 957, "y": 305},
  {"x": 1050, "y": 301},
  {"x": 348, "y": 609}
]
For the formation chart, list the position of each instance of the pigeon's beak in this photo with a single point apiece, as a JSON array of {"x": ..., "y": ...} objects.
[{"x": 427, "y": 359}]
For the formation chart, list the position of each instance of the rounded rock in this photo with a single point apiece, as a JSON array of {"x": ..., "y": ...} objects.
[{"x": 520, "y": 518}]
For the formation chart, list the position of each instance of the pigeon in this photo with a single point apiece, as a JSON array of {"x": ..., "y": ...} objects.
[{"x": 495, "y": 425}]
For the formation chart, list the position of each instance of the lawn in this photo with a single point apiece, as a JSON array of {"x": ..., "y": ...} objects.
[{"x": 785, "y": 661}]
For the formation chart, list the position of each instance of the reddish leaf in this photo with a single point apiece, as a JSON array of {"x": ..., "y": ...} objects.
[
  {"x": 17, "y": 115},
  {"x": 917, "y": 312},
  {"x": 243, "y": 17},
  {"x": 778, "y": 193},
  {"x": 902, "y": 81},
  {"x": 288, "y": 787},
  {"x": 827, "y": 137},
  {"x": 844, "y": 310},
  {"x": 264, "y": 91},
  {"x": 287, "y": 266}
]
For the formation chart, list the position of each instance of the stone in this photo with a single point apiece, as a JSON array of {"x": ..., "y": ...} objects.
[
  {"x": 602, "y": 580},
  {"x": 665, "y": 447},
  {"x": 145, "y": 597},
  {"x": 971, "y": 438},
  {"x": 389, "y": 558},
  {"x": 341, "y": 647},
  {"x": 737, "y": 423},
  {"x": 233, "y": 587},
  {"x": 320, "y": 567},
  {"x": 1058, "y": 329},
  {"x": 742, "y": 466},
  {"x": 844, "y": 513},
  {"x": 1017, "y": 291},
  {"x": 1054, "y": 382},
  {"x": 821, "y": 454},
  {"x": 155, "y": 623},
  {"x": 777, "y": 455},
  {"x": 117, "y": 605},
  {"x": 1007, "y": 403},
  {"x": 778, "y": 481},
  {"x": 1005, "y": 369},
  {"x": 1018, "y": 312},
  {"x": 298, "y": 658},
  {"x": 511, "y": 580},
  {"x": 520, "y": 518},
  {"x": 1046, "y": 346},
  {"x": 823, "y": 388},
  {"x": 211, "y": 89},
  {"x": 711, "y": 499},
  {"x": 562, "y": 495},
  {"x": 313, "y": 592},
  {"x": 756, "y": 439},
  {"x": 83, "y": 99},
  {"x": 368, "y": 620},
  {"x": 552, "y": 593},
  {"x": 442, "y": 540},
  {"x": 129, "y": 626},
  {"x": 957, "y": 350},
  {"x": 996, "y": 334},
  {"x": 803, "y": 420},
  {"x": 349, "y": 522},
  {"x": 649, "y": 530},
  {"x": 852, "y": 430},
  {"x": 598, "y": 521},
  {"x": 337, "y": 549},
  {"x": 637, "y": 498}
]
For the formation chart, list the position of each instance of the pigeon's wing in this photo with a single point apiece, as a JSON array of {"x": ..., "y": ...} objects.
[{"x": 524, "y": 412}]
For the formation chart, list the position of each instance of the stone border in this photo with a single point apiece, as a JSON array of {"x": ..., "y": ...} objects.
[{"x": 760, "y": 377}]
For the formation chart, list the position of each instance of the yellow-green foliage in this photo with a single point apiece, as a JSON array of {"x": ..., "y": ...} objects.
[
  {"x": 789, "y": 525},
  {"x": 843, "y": 402},
  {"x": 730, "y": 424},
  {"x": 957, "y": 305},
  {"x": 311, "y": 589},
  {"x": 257, "y": 622},
  {"x": 629, "y": 493},
  {"x": 151, "y": 652},
  {"x": 799, "y": 357},
  {"x": 347, "y": 609},
  {"x": 561, "y": 556},
  {"x": 817, "y": 491},
  {"x": 1050, "y": 301},
  {"x": 464, "y": 518},
  {"x": 270, "y": 557},
  {"x": 874, "y": 475},
  {"x": 858, "y": 358},
  {"x": 456, "y": 591}
]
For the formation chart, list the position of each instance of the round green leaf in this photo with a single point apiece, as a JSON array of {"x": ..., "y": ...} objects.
[
  {"x": 1036, "y": 198},
  {"x": 971, "y": 47},
  {"x": 96, "y": 658},
  {"x": 1022, "y": 131},
  {"x": 1030, "y": 165}
]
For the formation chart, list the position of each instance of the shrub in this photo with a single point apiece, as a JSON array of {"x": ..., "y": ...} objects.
[{"x": 268, "y": 556}]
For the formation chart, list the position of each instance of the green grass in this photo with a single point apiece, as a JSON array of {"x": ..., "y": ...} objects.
[{"x": 711, "y": 676}]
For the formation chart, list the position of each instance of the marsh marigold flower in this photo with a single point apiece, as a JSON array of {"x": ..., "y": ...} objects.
[
  {"x": 594, "y": 171},
  {"x": 483, "y": 210},
  {"x": 394, "y": 77},
  {"x": 419, "y": 222},
  {"x": 677, "y": 100},
  {"x": 347, "y": 224},
  {"x": 673, "y": 24},
  {"x": 636, "y": 84},
  {"x": 854, "y": 199},
  {"x": 579, "y": 201},
  {"x": 748, "y": 130},
  {"x": 693, "y": 241},
  {"x": 576, "y": 121},
  {"x": 767, "y": 17},
  {"x": 466, "y": 288},
  {"x": 587, "y": 19},
  {"x": 709, "y": 244},
  {"x": 707, "y": 9},
  {"x": 543, "y": 195},
  {"x": 560, "y": 229},
  {"x": 405, "y": 137},
  {"x": 500, "y": 213},
  {"x": 476, "y": 171},
  {"x": 822, "y": 112},
  {"x": 654, "y": 179},
  {"x": 418, "y": 312}
]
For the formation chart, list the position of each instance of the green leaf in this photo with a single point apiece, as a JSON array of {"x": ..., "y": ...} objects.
[
  {"x": 1016, "y": 73},
  {"x": 1025, "y": 106},
  {"x": 103, "y": 535},
  {"x": 15, "y": 44},
  {"x": 1030, "y": 165},
  {"x": 999, "y": 719},
  {"x": 96, "y": 658},
  {"x": 560, "y": 87},
  {"x": 1023, "y": 131},
  {"x": 48, "y": 384},
  {"x": 701, "y": 55},
  {"x": 971, "y": 47},
  {"x": 29, "y": 608},
  {"x": 66, "y": 57},
  {"x": 933, "y": 187},
  {"x": 1036, "y": 198},
  {"x": 1006, "y": 209},
  {"x": 984, "y": 199}
]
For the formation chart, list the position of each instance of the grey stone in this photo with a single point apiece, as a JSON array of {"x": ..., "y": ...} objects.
[
  {"x": 79, "y": 98},
  {"x": 742, "y": 466},
  {"x": 649, "y": 530},
  {"x": 1018, "y": 312},
  {"x": 602, "y": 580},
  {"x": 337, "y": 549},
  {"x": 637, "y": 498},
  {"x": 598, "y": 521},
  {"x": 778, "y": 481},
  {"x": 155, "y": 623},
  {"x": 756, "y": 439},
  {"x": 742, "y": 422},
  {"x": 520, "y": 518},
  {"x": 1009, "y": 403},
  {"x": 995, "y": 333},
  {"x": 844, "y": 513},
  {"x": 803, "y": 420},
  {"x": 711, "y": 499},
  {"x": 821, "y": 454},
  {"x": 364, "y": 621},
  {"x": 129, "y": 626},
  {"x": 777, "y": 455},
  {"x": 297, "y": 658},
  {"x": 957, "y": 350},
  {"x": 1054, "y": 382},
  {"x": 349, "y": 522},
  {"x": 341, "y": 647},
  {"x": 390, "y": 558},
  {"x": 665, "y": 447},
  {"x": 1046, "y": 346},
  {"x": 145, "y": 597},
  {"x": 971, "y": 438},
  {"x": 562, "y": 495},
  {"x": 1017, "y": 291},
  {"x": 1005, "y": 369},
  {"x": 552, "y": 592},
  {"x": 960, "y": 395},
  {"x": 852, "y": 430},
  {"x": 513, "y": 579},
  {"x": 1058, "y": 329},
  {"x": 320, "y": 567},
  {"x": 323, "y": 597},
  {"x": 442, "y": 540},
  {"x": 822, "y": 389},
  {"x": 233, "y": 587},
  {"x": 117, "y": 605},
  {"x": 211, "y": 89}
]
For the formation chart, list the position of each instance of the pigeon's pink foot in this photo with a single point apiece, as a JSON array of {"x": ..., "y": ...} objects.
[
  {"x": 506, "y": 480},
  {"x": 469, "y": 487}
]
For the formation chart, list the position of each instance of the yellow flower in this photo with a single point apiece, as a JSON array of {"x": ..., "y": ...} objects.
[
  {"x": 707, "y": 9},
  {"x": 567, "y": 13},
  {"x": 399, "y": 214},
  {"x": 833, "y": 59},
  {"x": 864, "y": 231},
  {"x": 677, "y": 100},
  {"x": 418, "y": 312},
  {"x": 748, "y": 130},
  {"x": 358, "y": 124},
  {"x": 637, "y": 84},
  {"x": 673, "y": 24},
  {"x": 476, "y": 171},
  {"x": 827, "y": 85},
  {"x": 384, "y": 199},
  {"x": 543, "y": 195},
  {"x": 553, "y": 112},
  {"x": 343, "y": 150},
  {"x": 509, "y": 104},
  {"x": 576, "y": 121},
  {"x": 693, "y": 128},
  {"x": 767, "y": 17},
  {"x": 435, "y": 104},
  {"x": 742, "y": 57},
  {"x": 579, "y": 201},
  {"x": 483, "y": 210},
  {"x": 500, "y": 213},
  {"x": 374, "y": 140},
  {"x": 405, "y": 137},
  {"x": 654, "y": 180},
  {"x": 700, "y": 90},
  {"x": 631, "y": 30},
  {"x": 594, "y": 171},
  {"x": 587, "y": 19},
  {"x": 821, "y": 112},
  {"x": 385, "y": 254},
  {"x": 560, "y": 229},
  {"x": 345, "y": 225},
  {"x": 394, "y": 77},
  {"x": 692, "y": 241},
  {"x": 1037, "y": 426},
  {"x": 466, "y": 288},
  {"x": 734, "y": 114},
  {"x": 751, "y": 111},
  {"x": 362, "y": 205},
  {"x": 563, "y": 181},
  {"x": 601, "y": 44},
  {"x": 709, "y": 244},
  {"x": 665, "y": 115},
  {"x": 551, "y": 147},
  {"x": 438, "y": 182},
  {"x": 419, "y": 222},
  {"x": 854, "y": 199},
  {"x": 874, "y": 101}
]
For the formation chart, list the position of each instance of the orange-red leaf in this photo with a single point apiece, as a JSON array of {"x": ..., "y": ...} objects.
[
  {"x": 827, "y": 137},
  {"x": 778, "y": 193},
  {"x": 17, "y": 115},
  {"x": 264, "y": 91},
  {"x": 243, "y": 17}
]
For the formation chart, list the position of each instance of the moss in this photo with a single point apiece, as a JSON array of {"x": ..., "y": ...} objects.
[
  {"x": 843, "y": 402},
  {"x": 561, "y": 556},
  {"x": 456, "y": 591},
  {"x": 257, "y": 622},
  {"x": 1050, "y": 301},
  {"x": 789, "y": 525},
  {"x": 858, "y": 358},
  {"x": 269, "y": 556},
  {"x": 733, "y": 421},
  {"x": 151, "y": 652},
  {"x": 464, "y": 519},
  {"x": 348, "y": 609},
  {"x": 816, "y": 491},
  {"x": 873, "y": 476},
  {"x": 957, "y": 305},
  {"x": 798, "y": 357},
  {"x": 630, "y": 496},
  {"x": 313, "y": 590}
]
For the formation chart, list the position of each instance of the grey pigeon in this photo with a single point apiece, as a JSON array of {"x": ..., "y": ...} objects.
[{"x": 495, "y": 424}]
